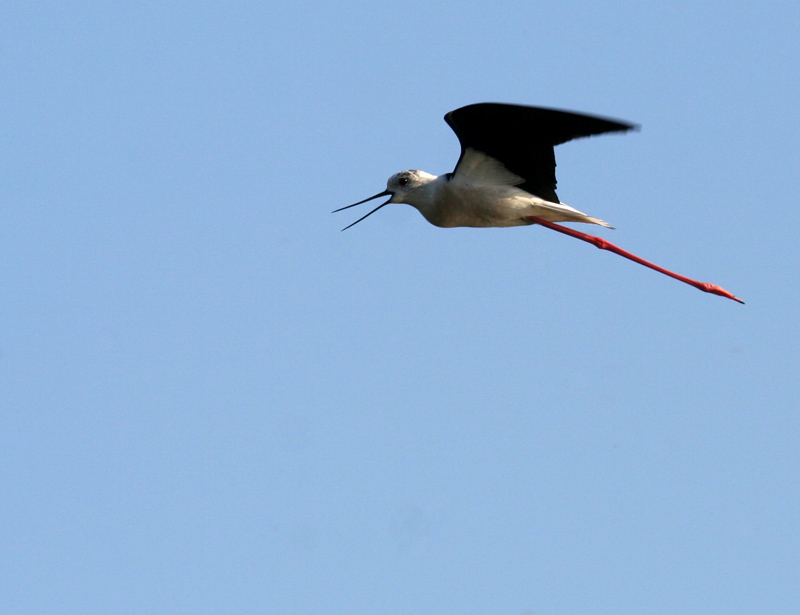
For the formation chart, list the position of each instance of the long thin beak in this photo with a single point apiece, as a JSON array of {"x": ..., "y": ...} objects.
[{"x": 376, "y": 196}]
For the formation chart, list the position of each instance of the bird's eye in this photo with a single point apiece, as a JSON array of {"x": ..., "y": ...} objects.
[{"x": 403, "y": 181}]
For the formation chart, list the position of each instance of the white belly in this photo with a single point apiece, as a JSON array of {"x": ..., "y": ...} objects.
[{"x": 498, "y": 206}]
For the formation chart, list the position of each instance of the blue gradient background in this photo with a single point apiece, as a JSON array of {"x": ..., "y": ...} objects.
[{"x": 215, "y": 402}]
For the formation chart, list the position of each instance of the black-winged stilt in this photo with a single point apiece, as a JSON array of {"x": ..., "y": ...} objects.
[{"x": 506, "y": 176}]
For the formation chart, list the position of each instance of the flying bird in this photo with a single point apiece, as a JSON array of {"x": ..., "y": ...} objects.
[{"x": 506, "y": 176}]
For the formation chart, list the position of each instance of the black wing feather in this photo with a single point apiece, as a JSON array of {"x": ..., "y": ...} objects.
[{"x": 523, "y": 138}]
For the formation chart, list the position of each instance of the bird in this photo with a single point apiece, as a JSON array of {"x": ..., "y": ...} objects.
[{"x": 506, "y": 176}]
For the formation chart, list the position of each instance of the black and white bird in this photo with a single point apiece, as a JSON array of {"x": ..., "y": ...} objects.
[{"x": 506, "y": 175}]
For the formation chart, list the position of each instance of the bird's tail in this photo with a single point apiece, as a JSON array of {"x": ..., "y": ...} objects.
[
  {"x": 591, "y": 220},
  {"x": 561, "y": 212}
]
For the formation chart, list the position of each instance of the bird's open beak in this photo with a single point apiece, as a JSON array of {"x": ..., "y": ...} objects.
[{"x": 376, "y": 196}]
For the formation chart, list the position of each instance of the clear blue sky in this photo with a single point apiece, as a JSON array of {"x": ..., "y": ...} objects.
[{"x": 213, "y": 401}]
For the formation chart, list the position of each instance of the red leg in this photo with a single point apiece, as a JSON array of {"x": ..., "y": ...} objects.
[{"x": 605, "y": 245}]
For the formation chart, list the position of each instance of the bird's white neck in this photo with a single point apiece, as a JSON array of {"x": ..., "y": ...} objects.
[{"x": 424, "y": 196}]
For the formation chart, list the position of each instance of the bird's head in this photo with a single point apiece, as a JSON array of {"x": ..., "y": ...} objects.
[
  {"x": 402, "y": 185},
  {"x": 400, "y": 188}
]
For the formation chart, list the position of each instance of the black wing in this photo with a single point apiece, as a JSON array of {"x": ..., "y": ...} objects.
[{"x": 523, "y": 138}]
